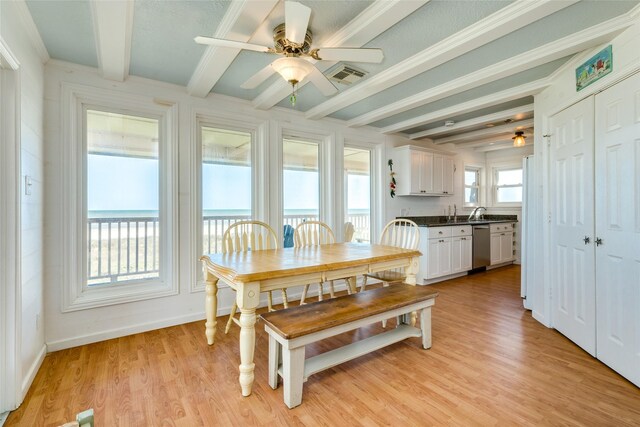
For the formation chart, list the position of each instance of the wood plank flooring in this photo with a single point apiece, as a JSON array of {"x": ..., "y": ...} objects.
[{"x": 490, "y": 364}]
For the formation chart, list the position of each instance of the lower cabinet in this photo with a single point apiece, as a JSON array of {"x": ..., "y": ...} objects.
[
  {"x": 445, "y": 250},
  {"x": 501, "y": 240}
]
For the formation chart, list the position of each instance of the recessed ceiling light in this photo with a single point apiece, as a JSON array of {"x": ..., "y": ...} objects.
[
  {"x": 449, "y": 123},
  {"x": 489, "y": 125}
]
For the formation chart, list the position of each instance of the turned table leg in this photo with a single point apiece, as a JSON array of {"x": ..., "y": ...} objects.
[
  {"x": 410, "y": 272},
  {"x": 211, "y": 305},
  {"x": 248, "y": 296}
]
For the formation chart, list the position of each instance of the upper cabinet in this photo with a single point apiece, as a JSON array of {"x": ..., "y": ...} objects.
[{"x": 423, "y": 172}]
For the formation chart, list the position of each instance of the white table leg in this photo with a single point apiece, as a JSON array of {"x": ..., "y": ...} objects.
[
  {"x": 275, "y": 352},
  {"x": 352, "y": 282},
  {"x": 293, "y": 375},
  {"x": 425, "y": 326},
  {"x": 411, "y": 271},
  {"x": 248, "y": 296},
  {"x": 211, "y": 305}
]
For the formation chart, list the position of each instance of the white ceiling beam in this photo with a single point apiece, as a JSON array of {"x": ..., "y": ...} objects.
[
  {"x": 496, "y": 147},
  {"x": 113, "y": 27},
  {"x": 240, "y": 22},
  {"x": 373, "y": 21},
  {"x": 32, "y": 30},
  {"x": 506, "y": 95},
  {"x": 509, "y": 128},
  {"x": 491, "y": 141},
  {"x": 476, "y": 121},
  {"x": 569, "y": 45},
  {"x": 508, "y": 19}
]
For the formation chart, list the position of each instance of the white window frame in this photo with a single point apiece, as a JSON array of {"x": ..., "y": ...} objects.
[
  {"x": 478, "y": 170},
  {"x": 76, "y": 99},
  {"x": 498, "y": 169},
  {"x": 259, "y": 131}
]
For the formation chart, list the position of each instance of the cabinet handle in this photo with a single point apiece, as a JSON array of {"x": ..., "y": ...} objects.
[
  {"x": 439, "y": 232},
  {"x": 502, "y": 234},
  {"x": 598, "y": 241},
  {"x": 586, "y": 240}
]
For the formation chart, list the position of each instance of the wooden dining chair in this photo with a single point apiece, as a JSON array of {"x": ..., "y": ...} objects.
[
  {"x": 313, "y": 233},
  {"x": 244, "y": 236},
  {"x": 349, "y": 231},
  {"x": 401, "y": 233}
]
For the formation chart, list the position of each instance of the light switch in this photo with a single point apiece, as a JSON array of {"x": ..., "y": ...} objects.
[{"x": 28, "y": 182}]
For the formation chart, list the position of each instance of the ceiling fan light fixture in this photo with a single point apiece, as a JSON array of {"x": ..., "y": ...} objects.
[
  {"x": 292, "y": 69},
  {"x": 519, "y": 139}
]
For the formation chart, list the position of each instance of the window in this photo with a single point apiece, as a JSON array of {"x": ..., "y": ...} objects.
[
  {"x": 226, "y": 182},
  {"x": 119, "y": 198},
  {"x": 300, "y": 180},
  {"x": 123, "y": 189},
  {"x": 471, "y": 186},
  {"x": 357, "y": 169},
  {"x": 508, "y": 186}
]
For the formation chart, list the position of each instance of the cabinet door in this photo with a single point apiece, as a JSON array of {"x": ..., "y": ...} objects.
[
  {"x": 416, "y": 172},
  {"x": 496, "y": 257},
  {"x": 456, "y": 254},
  {"x": 506, "y": 246},
  {"x": 467, "y": 253},
  {"x": 444, "y": 254},
  {"x": 437, "y": 175},
  {"x": 426, "y": 174},
  {"x": 617, "y": 165},
  {"x": 447, "y": 176},
  {"x": 434, "y": 259}
]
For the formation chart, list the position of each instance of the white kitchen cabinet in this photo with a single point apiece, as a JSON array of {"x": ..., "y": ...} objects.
[
  {"x": 446, "y": 250},
  {"x": 422, "y": 172},
  {"x": 501, "y": 242},
  {"x": 461, "y": 254}
]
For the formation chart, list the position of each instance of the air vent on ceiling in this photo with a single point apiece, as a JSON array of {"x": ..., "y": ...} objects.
[{"x": 346, "y": 74}]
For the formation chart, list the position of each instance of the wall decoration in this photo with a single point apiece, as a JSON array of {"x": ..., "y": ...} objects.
[
  {"x": 392, "y": 184},
  {"x": 598, "y": 66}
]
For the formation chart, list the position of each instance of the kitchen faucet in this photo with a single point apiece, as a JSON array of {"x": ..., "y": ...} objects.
[{"x": 476, "y": 213}]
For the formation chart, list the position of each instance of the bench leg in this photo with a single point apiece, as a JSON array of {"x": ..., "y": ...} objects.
[
  {"x": 293, "y": 375},
  {"x": 425, "y": 326},
  {"x": 275, "y": 355}
]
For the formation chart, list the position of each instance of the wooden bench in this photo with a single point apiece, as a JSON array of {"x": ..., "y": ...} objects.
[{"x": 291, "y": 329}]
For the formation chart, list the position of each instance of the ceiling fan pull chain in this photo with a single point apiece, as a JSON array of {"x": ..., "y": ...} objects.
[{"x": 293, "y": 97}]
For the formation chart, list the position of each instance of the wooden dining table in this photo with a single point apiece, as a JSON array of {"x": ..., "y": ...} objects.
[{"x": 253, "y": 272}]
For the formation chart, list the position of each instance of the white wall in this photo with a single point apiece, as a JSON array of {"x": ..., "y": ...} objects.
[
  {"x": 560, "y": 95},
  {"x": 78, "y": 327},
  {"x": 14, "y": 28}
]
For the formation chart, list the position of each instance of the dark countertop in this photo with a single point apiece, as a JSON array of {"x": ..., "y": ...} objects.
[{"x": 441, "y": 221}]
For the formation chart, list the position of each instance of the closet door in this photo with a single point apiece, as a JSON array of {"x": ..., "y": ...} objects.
[
  {"x": 572, "y": 248},
  {"x": 618, "y": 227}
]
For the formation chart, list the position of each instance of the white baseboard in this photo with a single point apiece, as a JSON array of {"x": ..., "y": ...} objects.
[
  {"x": 33, "y": 370},
  {"x": 164, "y": 323}
]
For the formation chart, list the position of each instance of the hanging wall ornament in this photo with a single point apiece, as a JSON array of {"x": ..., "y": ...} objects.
[{"x": 392, "y": 184}]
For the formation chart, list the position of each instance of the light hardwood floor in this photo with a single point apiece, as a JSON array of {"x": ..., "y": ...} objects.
[{"x": 490, "y": 364}]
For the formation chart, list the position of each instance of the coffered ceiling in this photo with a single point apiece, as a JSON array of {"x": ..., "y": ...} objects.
[{"x": 476, "y": 63}]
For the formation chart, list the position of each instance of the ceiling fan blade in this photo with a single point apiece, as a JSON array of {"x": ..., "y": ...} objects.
[
  {"x": 322, "y": 82},
  {"x": 296, "y": 20},
  {"x": 350, "y": 54},
  {"x": 258, "y": 78},
  {"x": 230, "y": 43}
]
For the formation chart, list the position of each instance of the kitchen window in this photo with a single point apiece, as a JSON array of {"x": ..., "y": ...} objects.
[
  {"x": 471, "y": 186},
  {"x": 508, "y": 187}
]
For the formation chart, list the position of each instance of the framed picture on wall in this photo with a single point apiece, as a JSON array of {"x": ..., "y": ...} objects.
[{"x": 598, "y": 66}]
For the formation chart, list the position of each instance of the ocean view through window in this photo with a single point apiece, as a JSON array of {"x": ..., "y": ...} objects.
[{"x": 123, "y": 175}]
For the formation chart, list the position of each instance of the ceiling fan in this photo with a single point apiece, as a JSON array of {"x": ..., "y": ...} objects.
[{"x": 292, "y": 40}]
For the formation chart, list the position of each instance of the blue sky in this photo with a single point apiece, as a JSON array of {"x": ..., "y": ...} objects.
[{"x": 127, "y": 183}]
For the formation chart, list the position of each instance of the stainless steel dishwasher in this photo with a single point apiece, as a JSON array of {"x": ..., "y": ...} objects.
[{"x": 481, "y": 246}]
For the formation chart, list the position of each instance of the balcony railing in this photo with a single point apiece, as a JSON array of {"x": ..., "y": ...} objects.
[{"x": 124, "y": 249}]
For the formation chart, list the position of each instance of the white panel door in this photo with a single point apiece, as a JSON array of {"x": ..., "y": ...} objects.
[
  {"x": 572, "y": 201},
  {"x": 437, "y": 175},
  {"x": 426, "y": 180},
  {"x": 447, "y": 176},
  {"x": 618, "y": 227}
]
